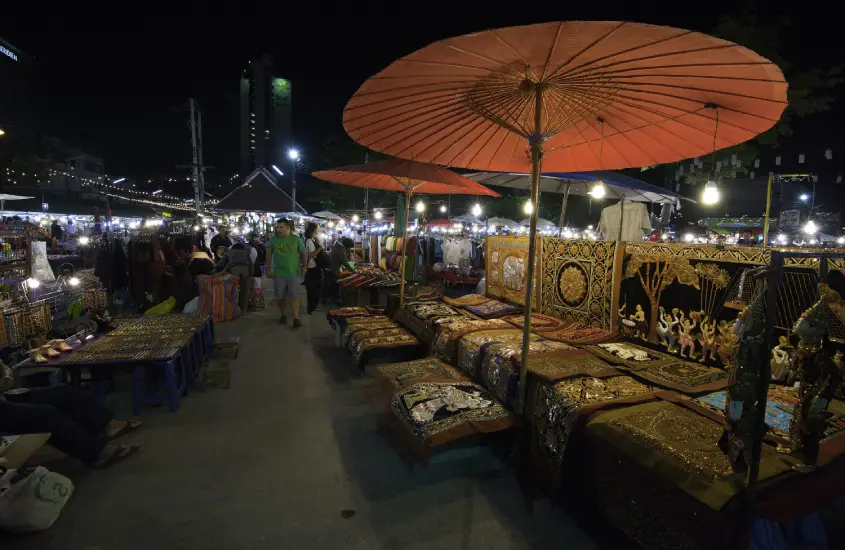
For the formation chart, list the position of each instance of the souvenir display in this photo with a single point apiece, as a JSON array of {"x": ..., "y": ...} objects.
[
  {"x": 452, "y": 329},
  {"x": 435, "y": 413},
  {"x": 500, "y": 366},
  {"x": 580, "y": 281},
  {"x": 820, "y": 379},
  {"x": 420, "y": 370},
  {"x": 690, "y": 378},
  {"x": 493, "y": 308},
  {"x": 472, "y": 346},
  {"x": 539, "y": 322},
  {"x": 356, "y": 324},
  {"x": 552, "y": 367},
  {"x": 94, "y": 299},
  {"x": 367, "y": 333},
  {"x": 678, "y": 445},
  {"x": 466, "y": 300},
  {"x": 506, "y": 270},
  {"x": 632, "y": 356},
  {"x": 419, "y": 316},
  {"x": 781, "y": 361},
  {"x": 557, "y": 408},
  {"x": 655, "y": 273},
  {"x": 580, "y": 333},
  {"x": 746, "y": 371},
  {"x": 344, "y": 312},
  {"x": 381, "y": 341}
]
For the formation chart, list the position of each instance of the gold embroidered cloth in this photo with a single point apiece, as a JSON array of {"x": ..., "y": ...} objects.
[
  {"x": 439, "y": 412},
  {"x": 678, "y": 445},
  {"x": 580, "y": 280},
  {"x": 632, "y": 356},
  {"x": 365, "y": 341},
  {"x": 451, "y": 331},
  {"x": 580, "y": 333},
  {"x": 686, "y": 377},
  {"x": 410, "y": 372},
  {"x": 493, "y": 308},
  {"x": 539, "y": 322},
  {"x": 466, "y": 300}
]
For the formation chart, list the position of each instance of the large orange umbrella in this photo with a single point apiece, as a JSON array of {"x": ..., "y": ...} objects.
[
  {"x": 408, "y": 177},
  {"x": 577, "y": 95}
]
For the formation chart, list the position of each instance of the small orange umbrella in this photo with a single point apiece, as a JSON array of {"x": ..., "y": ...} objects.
[
  {"x": 408, "y": 177},
  {"x": 506, "y": 99}
]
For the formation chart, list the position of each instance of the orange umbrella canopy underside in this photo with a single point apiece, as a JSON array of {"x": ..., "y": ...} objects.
[
  {"x": 402, "y": 175},
  {"x": 653, "y": 92}
]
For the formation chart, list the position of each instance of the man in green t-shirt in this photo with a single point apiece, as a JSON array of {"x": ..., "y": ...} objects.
[{"x": 286, "y": 266}]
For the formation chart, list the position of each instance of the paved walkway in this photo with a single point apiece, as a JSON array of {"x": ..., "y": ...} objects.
[{"x": 289, "y": 457}]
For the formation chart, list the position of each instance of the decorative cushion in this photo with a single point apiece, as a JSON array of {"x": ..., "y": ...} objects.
[
  {"x": 430, "y": 369},
  {"x": 467, "y": 300},
  {"x": 435, "y": 413},
  {"x": 493, "y": 308},
  {"x": 539, "y": 322},
  {"x": 451, "y": 330}
]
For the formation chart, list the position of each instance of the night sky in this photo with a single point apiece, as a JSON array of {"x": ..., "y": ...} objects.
[{"x": 109, "y": 78}]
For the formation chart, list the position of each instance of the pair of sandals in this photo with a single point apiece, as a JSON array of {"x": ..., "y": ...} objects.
[
  {"x": 50, "y": 350},
  {"x": 121, "y": 452}
]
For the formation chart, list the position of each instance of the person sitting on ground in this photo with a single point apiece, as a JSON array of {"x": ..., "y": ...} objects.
[
  {"x": 77, "y": 424},
  {"x": 286, "y": 265}
]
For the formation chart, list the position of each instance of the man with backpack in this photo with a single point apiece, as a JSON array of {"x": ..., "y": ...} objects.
[
  {"x": 239, "y": 261},
  {"x": 318, "y": 260}
]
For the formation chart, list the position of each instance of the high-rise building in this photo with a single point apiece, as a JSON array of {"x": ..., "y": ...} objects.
[
  {"x": 14, "y": 84},
  {"x": 265, "y": 117}
]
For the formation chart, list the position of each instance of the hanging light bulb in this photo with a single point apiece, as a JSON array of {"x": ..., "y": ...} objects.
[
  {"x": 420, "y": 207},
  {"x": 476, "y": 210},
  {"x": 33, "y": 283},
  {"x": 74, "y": 281},
  {"x": 355, "y": 218},
  {"x": 598, "y": 191},
  {"x": 528, "y": 207},
  {"x": 710, "y": 195},
  {"x": 378, "y": 215},
  {"x": 811, "y": 228},
  {"x": 443, "y": 208}
]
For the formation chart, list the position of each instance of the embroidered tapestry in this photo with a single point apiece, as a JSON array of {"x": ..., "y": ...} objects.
[
  {"x": 506, "y": 269},
  {"x": 580, "y": 281}
]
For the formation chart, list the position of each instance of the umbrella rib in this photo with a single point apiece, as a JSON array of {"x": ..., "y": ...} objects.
[
  {"x": 515, "y": 52},
  {"x": 551, "y": 52},
  {"x": 637, "y": 88},
  {"x": 615, "y": 74},
  {"x": 435, "y": 128},
  {"x": 585, "y": 49},
  {"x": 688, "y": 101},
  {"x": 632, "y": 142},
  {"x": 586, "y": 68},
  {"x": 496, "y": 128},
  {"x": 427, "y": 102},
  {"x": 475, "y": 54},
  {"x": 670, "y": 66},
  {"x": 498, "y": 148},
  {"x": 469, "y": 130},
  {"x": 443, "y": 64}
]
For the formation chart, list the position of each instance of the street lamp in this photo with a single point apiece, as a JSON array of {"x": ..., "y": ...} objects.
[{"x": 293, "y": 155}]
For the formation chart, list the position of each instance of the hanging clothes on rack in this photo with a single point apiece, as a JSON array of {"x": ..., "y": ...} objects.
[{"x": 634, "y": 220}]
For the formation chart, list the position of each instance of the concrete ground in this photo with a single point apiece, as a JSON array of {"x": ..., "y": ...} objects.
[{"x": 290, "y": 457}]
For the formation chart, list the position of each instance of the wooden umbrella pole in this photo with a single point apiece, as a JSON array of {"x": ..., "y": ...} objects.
[
  {"x": 563, "y": 209},
  {"x": 536, "y": 143},
  {"x": 408, "y": 192}
]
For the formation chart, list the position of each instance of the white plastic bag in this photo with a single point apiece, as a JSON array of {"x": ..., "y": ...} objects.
[
  {"x": 32, "y": 500},
  {"x": 192, "y": 306}
]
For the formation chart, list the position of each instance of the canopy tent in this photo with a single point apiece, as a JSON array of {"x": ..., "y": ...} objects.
[
  {"x": 541, "y": 222},
  {"x": 467, "y": 218},
  {"x": 580, "y": 183},
  {"x": 326, "y": 215},
  {"x": 502, "y": 222},
  {"x": 258, "y": 193}
]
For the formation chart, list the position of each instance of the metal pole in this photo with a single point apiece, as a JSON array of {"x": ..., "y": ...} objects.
[
  {"x": 408, "y": 192},
  {"x": 536, "y": 143},
  {"x": 768, "y": 208},
  {"x": 563, "y": 209},
  {"x": 195, "y": 158},
  {"x": 293, "y": 182},
  {"x": 201, "y": 168}
]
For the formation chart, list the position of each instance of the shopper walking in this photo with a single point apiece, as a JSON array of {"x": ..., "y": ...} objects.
[
  {"x": 314, "y": 274},
  {"x": 286, "y": 262}
]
